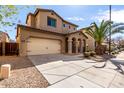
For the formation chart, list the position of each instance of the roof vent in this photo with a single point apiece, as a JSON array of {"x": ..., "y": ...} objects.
[{"x": 52, "y": 13}]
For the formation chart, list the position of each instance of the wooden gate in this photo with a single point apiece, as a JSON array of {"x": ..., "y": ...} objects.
[
  {"x": 11, "y": 48},
  {"x": 0, "y": 48}
]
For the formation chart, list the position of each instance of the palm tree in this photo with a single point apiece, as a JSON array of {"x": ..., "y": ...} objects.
[{"x": 101, "y": 32}]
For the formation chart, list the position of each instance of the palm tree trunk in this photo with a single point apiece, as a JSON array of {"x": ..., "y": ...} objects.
[{"x": 100, "y": 49}]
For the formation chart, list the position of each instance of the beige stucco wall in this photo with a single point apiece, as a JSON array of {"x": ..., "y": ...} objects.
[
  {"x": 67, "y": 29},
  {"x": 31, "y": 20},
  {"x": 90, "y": 42},
  {"x": 40, "y": 21},
  {"x": 24, "y": 35},
  {"x": 77, "y": 36}
]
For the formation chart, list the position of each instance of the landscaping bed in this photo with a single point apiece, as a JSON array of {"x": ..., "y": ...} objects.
[{"x": 23, "y": 74}]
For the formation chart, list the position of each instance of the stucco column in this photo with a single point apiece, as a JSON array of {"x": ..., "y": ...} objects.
[
  {"x": 3, "y": 48},
  {"x": 81, "y": 47},
  {"x": 76, "y": 46},
  {"x": 69, "y": 46}
]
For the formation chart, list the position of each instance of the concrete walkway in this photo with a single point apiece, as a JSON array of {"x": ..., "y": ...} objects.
[{"x": 64, "y": 71}]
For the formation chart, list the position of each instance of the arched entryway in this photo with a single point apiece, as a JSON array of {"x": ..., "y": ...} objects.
[
  {"x": 73, "y": 45},
  {"x": 84, "y": 47},
  {"x": 79, "y": 46}
]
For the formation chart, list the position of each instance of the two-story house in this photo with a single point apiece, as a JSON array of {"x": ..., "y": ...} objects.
[{"x": 47, "y": 32}]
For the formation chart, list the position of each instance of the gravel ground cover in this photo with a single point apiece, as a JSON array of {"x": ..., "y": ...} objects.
[{"x": 23, "y": 74}]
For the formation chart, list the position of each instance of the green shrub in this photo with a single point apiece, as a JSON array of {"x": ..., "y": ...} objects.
[
  {"x": 113, "y": 53},
  {"x": 92, "y": 53},
  {"x": 86, "y": 54},
  {"x": 116, "y": 51}
]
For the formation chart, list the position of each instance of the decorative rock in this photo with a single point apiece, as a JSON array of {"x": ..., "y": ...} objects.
[{"x": 5, "y": 71}]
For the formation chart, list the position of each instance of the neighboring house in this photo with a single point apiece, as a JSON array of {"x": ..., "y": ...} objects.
[
  {"x": 121, "y": 43},
  {"x": 113, "y": 44},
  {"x": 12, "y": 41},
  {"x": 4, "y": 37},
  {"x": 48, "y": 33}
]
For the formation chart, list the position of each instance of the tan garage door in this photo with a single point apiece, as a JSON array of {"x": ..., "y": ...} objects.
[{"x": 38, "y": 46}]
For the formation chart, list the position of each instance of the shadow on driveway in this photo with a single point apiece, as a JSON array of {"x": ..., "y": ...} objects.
[
  {"x": 18, "y": 62},
  {"x": 119, "y": 63},
  {"x": 43, "y": 59},
  {"x": 102, "y": 59}
]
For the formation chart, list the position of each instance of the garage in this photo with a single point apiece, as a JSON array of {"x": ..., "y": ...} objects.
[{"x": 37, "y": 46}]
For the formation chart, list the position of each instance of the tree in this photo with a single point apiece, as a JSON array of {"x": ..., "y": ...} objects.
[
  {"x": 101, "y": 32},
  {"x": 7, "y": 13}
]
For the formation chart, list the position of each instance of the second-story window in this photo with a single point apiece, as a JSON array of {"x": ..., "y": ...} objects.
[
  {"x": 69, "y": 26},
  {"x": 63, "y": 25},
  {"x": 51, "y": 22}
]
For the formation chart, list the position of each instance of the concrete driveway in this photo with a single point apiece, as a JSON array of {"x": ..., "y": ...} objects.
[{"x": 64, "y": 71}]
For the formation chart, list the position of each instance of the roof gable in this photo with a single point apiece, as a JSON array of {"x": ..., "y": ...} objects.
[
  {"x": 49, "y": 10},
  {"x": 79, "y": 31}
]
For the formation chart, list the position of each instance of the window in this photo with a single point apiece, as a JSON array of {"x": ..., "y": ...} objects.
[
  {"x": 69, "y": 27},
  {"x": 51, "y": 22},
  {"x": 63, "y": 25}
]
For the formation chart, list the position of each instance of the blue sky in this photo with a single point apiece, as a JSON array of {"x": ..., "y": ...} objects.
[{"x": 81, "y": 15}]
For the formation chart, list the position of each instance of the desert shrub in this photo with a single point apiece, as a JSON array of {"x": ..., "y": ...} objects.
[
  {"x": 86, "y": 54},
  {"x": 113, "y": 53},
  {"x": 117, "y": 51},
  {"x": 92, "y": 53}
]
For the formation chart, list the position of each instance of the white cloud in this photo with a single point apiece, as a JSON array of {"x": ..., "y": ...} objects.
[
  {"x": 116, "y": 16},
  {"x": 74, "y": 18}
]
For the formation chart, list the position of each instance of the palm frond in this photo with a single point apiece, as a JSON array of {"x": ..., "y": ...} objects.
[
  {"x": 117, "y": 24},
  {"x": 118, "y": 30},
  {"x": 101, "y": 32}
]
